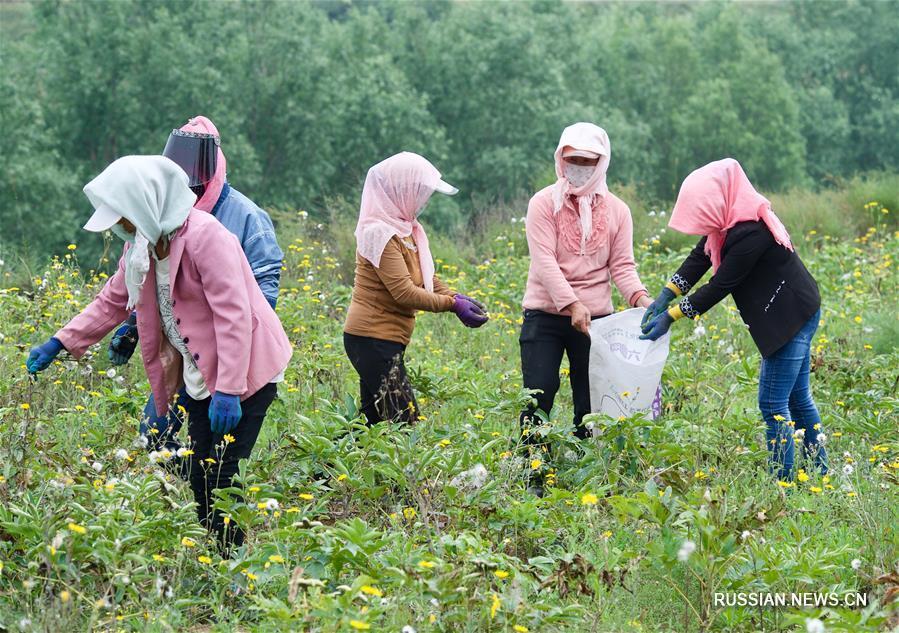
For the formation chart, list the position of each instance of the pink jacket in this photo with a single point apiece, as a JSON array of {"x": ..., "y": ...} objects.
[
  {"x": 227, "y": 324},
  {"x": 559, "y": 275}
]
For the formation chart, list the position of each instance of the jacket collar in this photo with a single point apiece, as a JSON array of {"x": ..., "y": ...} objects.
[
  {"x": 177, "y": 250},
  {"x": 226, "y": 189}
]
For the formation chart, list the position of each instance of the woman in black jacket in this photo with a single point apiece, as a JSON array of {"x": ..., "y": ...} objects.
[{"x": 753, "y": 259}]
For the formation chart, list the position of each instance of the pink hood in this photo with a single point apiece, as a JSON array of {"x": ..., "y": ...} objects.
[
  {"x": 591, "y": 138},
  {"x": 202, "y": 125},
  {"x": 717, "y": 196},
  {"x": 395, "y": 192}
]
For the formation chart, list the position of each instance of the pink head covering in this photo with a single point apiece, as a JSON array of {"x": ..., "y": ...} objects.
[
  {"x": 584, "y": 137},
  {"x": 202, "y": 125},
  {"x": 717, "y": 196},
  {"x": 395, "y": 192}
]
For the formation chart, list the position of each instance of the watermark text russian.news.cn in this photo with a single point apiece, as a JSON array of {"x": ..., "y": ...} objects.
[{"x": 807, "y": 600}]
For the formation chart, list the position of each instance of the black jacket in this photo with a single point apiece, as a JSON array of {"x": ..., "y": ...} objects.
[{"x": 774, "y": 292}]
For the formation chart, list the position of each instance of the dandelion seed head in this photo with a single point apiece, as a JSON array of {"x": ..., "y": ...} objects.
[
  {"x": 686, "y": 549},
  {"x": 814, "y": 625}
]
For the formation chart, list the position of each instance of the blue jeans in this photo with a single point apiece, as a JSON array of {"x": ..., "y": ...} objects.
[
  {"x": 161, "y": 430},
  {"x": 785, "y": 401}
]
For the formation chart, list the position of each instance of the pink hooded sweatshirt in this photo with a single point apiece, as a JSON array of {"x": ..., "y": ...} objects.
[
  {"x": 227, "y": 324},
  {"x": 580, "y": 239},
  {"x": 714, "y": 198}
]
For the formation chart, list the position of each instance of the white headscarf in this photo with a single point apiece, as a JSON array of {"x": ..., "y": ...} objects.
[
  {"x": 151, "y": 192},
  {"x": 590, "y": 138}
]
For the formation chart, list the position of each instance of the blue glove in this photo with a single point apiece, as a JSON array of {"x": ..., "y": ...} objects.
[
  {"x": 123, "y": 342},
  {"x": 657, "y": 327},
  {"x": 658, "y": 306},
  {"x": 41, "y": 356},
  {"x": 224, "y": 412}
]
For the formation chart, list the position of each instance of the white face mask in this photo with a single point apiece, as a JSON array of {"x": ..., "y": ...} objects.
[
  {"x": 119, "y": 230},
  {"x": 578, "y": 175}
]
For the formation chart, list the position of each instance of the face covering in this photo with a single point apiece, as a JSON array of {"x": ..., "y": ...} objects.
[
  {"x": 578, "y": 175},
  {"x": 119, "y": 231}
]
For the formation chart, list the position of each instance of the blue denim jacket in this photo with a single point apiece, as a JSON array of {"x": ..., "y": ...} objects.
[{"x": 256, "y": 233}]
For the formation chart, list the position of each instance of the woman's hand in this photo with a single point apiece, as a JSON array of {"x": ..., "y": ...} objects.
[
  {"x": 224, "y": 412},
  {"x": 41, "y": 356},
  {"x": 656, "y": 328},
  {"x": 580, "y": 317},
  {"x": 469, "y": 312},
  {"x": 644, "y": 302},
  {"x": 657, "y": 307}
]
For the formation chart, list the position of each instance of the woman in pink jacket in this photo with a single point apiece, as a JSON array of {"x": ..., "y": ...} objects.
[
  {"x": 580, "y": 239},
  {"x": 203, "y": 321}
]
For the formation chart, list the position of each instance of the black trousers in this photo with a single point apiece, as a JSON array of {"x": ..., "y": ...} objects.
[
  {"x": 544, "y": 338},
  {"x": 384, "y": 387},
  {"x": 208, "y": 476}
]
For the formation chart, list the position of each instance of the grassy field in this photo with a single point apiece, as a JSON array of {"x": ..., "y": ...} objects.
[{"x": 354, "y": 528}]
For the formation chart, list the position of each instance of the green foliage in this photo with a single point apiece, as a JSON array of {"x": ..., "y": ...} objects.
[
  {"x": 377, "y": 526},
  {"x": 308, "y": 95}
]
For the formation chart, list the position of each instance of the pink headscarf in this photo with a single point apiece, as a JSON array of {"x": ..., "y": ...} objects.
[
  {"x": 202, "y": 125},
  {"x": 395, "y": 192},
  {"x": 590, "y": 138},
  {"x": 717, "y": 196}
]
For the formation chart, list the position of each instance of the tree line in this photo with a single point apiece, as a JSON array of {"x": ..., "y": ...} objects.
[{"x": 307, "y": 95}]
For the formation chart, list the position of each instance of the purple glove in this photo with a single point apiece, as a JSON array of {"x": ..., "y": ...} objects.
[
  {"x": 468, "y": 312},
  {"x": 480, "y": 305}
]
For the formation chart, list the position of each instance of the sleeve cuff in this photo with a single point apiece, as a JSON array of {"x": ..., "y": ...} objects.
[
  {"x": 636, "y": 297},
  {"x": 684, "y": 309},
  {"x": 678, "y": 284}
]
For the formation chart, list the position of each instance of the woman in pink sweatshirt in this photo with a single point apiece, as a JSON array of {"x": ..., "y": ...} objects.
[
  {"x": 203, "y": 321},
  {"x": 580, "y": 240}
]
